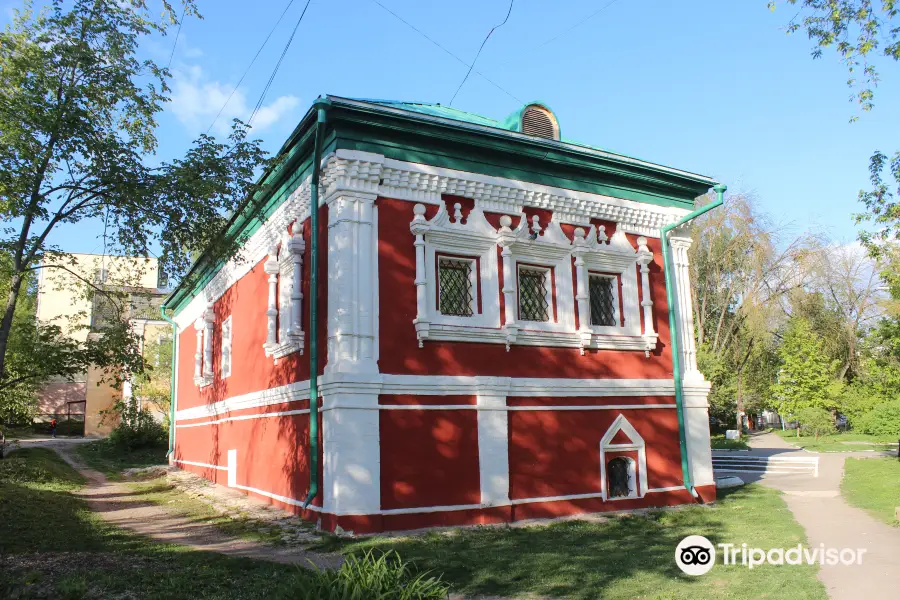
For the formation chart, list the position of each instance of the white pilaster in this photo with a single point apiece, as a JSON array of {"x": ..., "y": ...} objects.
[
  {"x": 209, "y": 319},
  {"x": 684, "y": 311},
  {"x": 493, "y": 447},
  {"x": 696, "y": 426},
  {"x": 418, "y": 227},
  {"x": 271, "y": 268},
  {"x": 297, "y": 247},
  {"x": 351, "y": 452},
  {"x": 352, "y": 283},
  {"x": 582, "y": 297},
  {"x": 645, "y": 257},
  {"x": 198, "y": 355},
  {"x": 506, "y": 238}
]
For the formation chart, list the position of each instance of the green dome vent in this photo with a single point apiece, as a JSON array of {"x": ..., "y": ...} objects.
[{"x": 539, "y": 122}]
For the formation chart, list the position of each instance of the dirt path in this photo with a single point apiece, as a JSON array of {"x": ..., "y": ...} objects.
[
  {"x": 818, "y": 506},
  {"x": 120, "y": 505}
]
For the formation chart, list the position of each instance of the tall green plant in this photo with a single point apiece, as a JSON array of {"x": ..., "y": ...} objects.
[
  {"x": 78, "y": 125},
  {"x": 806, "y": 377}
]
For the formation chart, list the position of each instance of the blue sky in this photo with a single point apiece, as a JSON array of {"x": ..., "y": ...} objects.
[{"x": 711, "y": 87}]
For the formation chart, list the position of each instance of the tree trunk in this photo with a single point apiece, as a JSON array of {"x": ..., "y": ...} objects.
[
  {"x": 15, "y": 285},
  {"x": 740, "y": 403}
]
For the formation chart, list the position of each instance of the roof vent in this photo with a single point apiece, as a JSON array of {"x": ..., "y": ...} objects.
[{"x": 539, "y": 122}]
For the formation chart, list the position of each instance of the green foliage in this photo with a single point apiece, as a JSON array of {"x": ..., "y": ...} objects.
[
  {"x": 153, "y": 384},
  {"x": 806, "y": 376},
  {"x": 78, "y": 112},
  {"x": 111, "y": 459},
  {"x": 371, "y": 576},
  {"x": 815, "y": 421},
  {"x": 884, "y": 419},
  {"x": 136, "y": 428}
]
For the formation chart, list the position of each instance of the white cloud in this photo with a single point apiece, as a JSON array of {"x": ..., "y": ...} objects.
[{"x": 196, "y": 101}]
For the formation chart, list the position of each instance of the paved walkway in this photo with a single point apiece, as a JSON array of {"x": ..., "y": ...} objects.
[
  {"x": 117, "y": 503},
  {"x": 817, "y": 505}
]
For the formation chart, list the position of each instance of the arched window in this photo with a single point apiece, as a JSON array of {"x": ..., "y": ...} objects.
[{"x": 539, "y": 122}]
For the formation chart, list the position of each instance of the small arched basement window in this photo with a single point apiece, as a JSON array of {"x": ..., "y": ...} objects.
[{"x": 539, "y": 122}]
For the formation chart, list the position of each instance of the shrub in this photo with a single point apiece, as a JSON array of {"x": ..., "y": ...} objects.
[
  {"x": 136, "y": 429},
  {"x": 817, "y": 421},
  {"x": 369, "y": 576},
  {"x": 884, "y": 419}
]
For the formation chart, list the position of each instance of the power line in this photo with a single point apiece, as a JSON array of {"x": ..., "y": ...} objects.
[
  {"x": 424, "y": 35},
  {"x": 559, "y": 35},
  {"x": 247, "y": 70},
  {"x": 262, "y": 96},
  {"x": 463, "y": 82},
  {"x": 177, "y": 35}
]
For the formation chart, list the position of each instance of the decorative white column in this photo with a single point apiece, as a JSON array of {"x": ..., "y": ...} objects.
[
  {"x": 694, "y": 386},
  {"x": 419, "y": 227},
  {"x": 645, "y": 257},
  {"x": 198, "y": 355},
  {"x": 684, "y": 311},
  {"x": 352, "y": 288},
  {"x": 506, "y": 238},
  {"x": 209, "y": 318},
  {"x": 271, "y": 268},
  {"x": 351, "y": 459},
  {"x": 582, "y": 298},
  {"x": 297, "y": 246},
  {"x": 493, "y": 444}
]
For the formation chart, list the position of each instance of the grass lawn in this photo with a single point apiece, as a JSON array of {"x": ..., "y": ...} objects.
[
  {"x": 111, "y": 460},
  {"x": 718, "y": 442},
  {"x": 52, "y": 546},
  {"x": 839, "y": 442},
  {"x": 873, "y": 484},
  {"x": 628, "y": 557}
]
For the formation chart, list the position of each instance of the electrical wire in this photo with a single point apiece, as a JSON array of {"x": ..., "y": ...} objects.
[
  {"x": 520, "y": 55},
  {"x": 262, "y": 96},
  {"x": 247, "y": 70},
  {"x": 425, "y": 35},
  {"x": 177, "y": 35},
  {"x": 480, "y": 48}
]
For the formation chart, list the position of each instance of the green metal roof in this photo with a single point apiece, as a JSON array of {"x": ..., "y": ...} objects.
[{"x": 512, "y": 122}]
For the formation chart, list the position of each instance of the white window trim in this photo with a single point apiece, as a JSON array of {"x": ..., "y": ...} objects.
[
  {"x": 474, "y": 274},
  {"x": 284, "y": 329},
  {"x": 635, "y": 445},
  {"x": 226, "y": 347},
  {"x": 615, "y": 293},
  {"x": 532, "y": 246},
  {"x": 203, "y": 374}
]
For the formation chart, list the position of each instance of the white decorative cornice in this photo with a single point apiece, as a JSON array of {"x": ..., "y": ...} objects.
[{"x": 355, "y": 172}]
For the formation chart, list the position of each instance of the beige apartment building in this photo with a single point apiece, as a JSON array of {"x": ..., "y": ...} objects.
[{"x": 63, "y": 299}]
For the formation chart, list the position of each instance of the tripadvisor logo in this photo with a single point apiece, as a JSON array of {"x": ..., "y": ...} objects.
[{"x": 696, "y": 555}]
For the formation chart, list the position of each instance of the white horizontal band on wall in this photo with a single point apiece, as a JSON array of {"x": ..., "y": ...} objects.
[
  {"x": 200, "y": 464},
  {"x": 544, "y": 407},
  {"x": 283, "y": 413},
  {"x": 442, "y": 385}
]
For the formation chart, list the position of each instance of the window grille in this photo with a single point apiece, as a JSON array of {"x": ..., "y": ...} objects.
[
  {"x": 603, "y": 300},
  {"x": 539, "y": 122},
  {"x": 619, "y": 476},
  {"x": 455, "y": 296},
  {"x": 533, "y": 305}
]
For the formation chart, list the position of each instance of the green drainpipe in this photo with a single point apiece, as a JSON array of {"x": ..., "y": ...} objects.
[
  {"x": 673, "y": 329},
  {"x": 322, "y": 106},
  {"x": 162, "y": 311}
]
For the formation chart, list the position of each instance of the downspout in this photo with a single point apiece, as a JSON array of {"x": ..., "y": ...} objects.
[
  {"x": 162, "y": 311},
  {"x": 673, "y": 329},
  {"x": 322, "y": 105}
]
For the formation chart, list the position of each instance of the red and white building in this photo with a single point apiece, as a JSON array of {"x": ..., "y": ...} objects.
[{"x": 494, "y": 339}]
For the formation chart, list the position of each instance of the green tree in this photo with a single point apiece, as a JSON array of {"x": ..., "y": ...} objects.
[
  {"x": 77, "y": 138},
  {"x": 806, "y": 377},
  {"x": 817, "y": 421}
]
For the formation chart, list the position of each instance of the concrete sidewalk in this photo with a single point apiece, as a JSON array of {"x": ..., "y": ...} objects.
[{"x": 818, "y": 506}]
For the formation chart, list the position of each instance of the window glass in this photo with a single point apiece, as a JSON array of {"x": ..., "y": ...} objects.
[
  {"x": 533, "y": 304},
  {"x": 455, "y": 295},
  {"x": 603, "y": 300}
]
